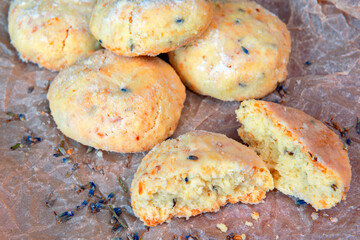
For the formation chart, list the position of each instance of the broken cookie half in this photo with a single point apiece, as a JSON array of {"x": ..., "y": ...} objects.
[
  {"x": 195, "y": 173},
  {"x": 306, "y": 159}
]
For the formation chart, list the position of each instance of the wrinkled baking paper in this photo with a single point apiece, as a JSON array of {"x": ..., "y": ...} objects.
[{"x": 325, "y": 35}]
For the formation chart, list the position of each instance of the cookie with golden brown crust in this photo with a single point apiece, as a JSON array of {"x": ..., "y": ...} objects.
[
  {"x": 134, "y": 28},
  {"x": 195, "y": 173},
  {"x": 51, "y": 33},
  {"x": 242, "y": 55},
  {"x": 117, "y": 103},
  {"x": 306, "y": 159}
]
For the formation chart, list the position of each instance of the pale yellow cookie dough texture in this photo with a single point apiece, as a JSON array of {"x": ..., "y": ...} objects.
[
  {"x": 134, "y": 28},
  {"x": 307, "y": 160},
  {"x": 195, "y": 173},
  {"x": 242, "y": 55},
  {"x": 117, "y": 103},
  {"x": 51, "y": 33}
]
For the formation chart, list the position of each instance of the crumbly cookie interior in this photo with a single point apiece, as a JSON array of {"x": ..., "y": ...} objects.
[
  {"x": 186, "y": 195},
  {"x": 295, "y": 171}
]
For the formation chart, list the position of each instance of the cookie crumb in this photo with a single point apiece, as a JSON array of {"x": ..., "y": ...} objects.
[
  {"x": 222, "y": 227},
  {"x": 255, "y": 216},
  {"x": 334, "y": 219},
  {"x": 99, "y": 154},
  {"x": 314, "y": 215},
  {"x": 249, "y": 224}
]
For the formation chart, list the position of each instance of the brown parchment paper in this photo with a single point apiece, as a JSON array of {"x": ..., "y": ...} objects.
[{"x": 325, "y": 33}]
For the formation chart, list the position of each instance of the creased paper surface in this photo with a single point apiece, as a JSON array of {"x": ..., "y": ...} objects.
[{"x": 323, "y": 81}]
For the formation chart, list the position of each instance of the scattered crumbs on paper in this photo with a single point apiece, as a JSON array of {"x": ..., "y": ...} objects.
[
  {"x": 249, "y": 224},
  {"x": 314, "y": 216},
  {"x": 99, "y": 154},
  {"x": 222, "y": 227},
  {"x": 334, "y": 219},
  {"x": 255, "y": 216}
]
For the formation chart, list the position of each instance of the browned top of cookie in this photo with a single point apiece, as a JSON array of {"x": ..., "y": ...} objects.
[
  {"x": 117, "y": 103},
  {"x": 321, "y": 143}
]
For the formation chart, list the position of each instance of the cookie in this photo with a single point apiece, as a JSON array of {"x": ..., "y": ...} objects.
[
  {"x": 195, "y": 173},
  {"x": 307, "y": 160},
  {"x": 242, "y": 55},
  {"x": 51, "y": 33},
  {"x": 134, "y": 28},
  {"x": 117, "y": 103}
]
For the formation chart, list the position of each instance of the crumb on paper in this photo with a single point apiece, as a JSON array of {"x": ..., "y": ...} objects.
[
  {"x": 222, "y": 227},
  {"x": 314, "y": 215},
  {"x": 236, "y": 237},
  {"x": 334, "y": 219},
  {"x": 99, "y": 153},
  {"x": 249, "y": 224},
  {"x": 255, "y": 216}
]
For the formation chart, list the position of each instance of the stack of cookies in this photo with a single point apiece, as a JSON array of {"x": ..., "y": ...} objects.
[{"x": 113, "y": 93}]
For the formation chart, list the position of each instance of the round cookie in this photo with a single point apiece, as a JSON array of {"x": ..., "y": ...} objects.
[
  {"x": 242, "y": 55},
  {"x": 134, "y": 28},
  {"x": 51, "y": 33},
  {"x": 117, "y": 103},
  {"x": 195, "y": 173},
  {"x": 307, "y": 160}
]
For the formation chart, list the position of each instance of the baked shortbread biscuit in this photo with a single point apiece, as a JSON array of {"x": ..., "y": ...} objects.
[
  {"x": 307, "y": 160},
  {"x": 134, "y": 28},
  {"x": 195, "y": 173},
  {"x": 242, "y": 55},
  {"x": 51, "y": 33},
  {"x": 117, "y": 103}
]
